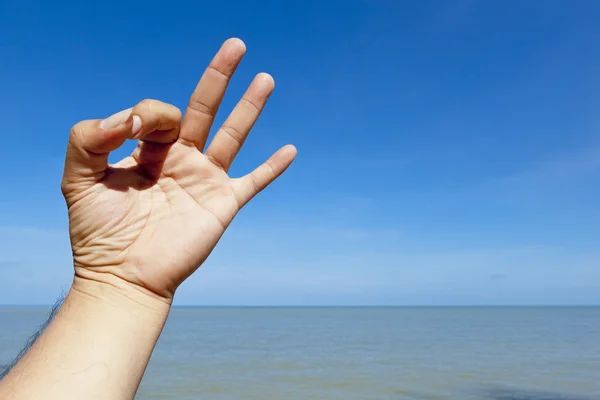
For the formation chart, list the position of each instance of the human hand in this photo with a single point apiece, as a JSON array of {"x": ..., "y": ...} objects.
[{"x": 149, "y": 221}]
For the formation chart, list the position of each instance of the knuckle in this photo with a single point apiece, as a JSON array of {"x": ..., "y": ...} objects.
[
  {"x": 218, "y": 73},
  {"x": 251, "y": 104},
  {"x": 234, "y": 133},
  {"x": 152, "y": 106},
  {"x": 176, "y": 112},
  {"x": 77, "y": 131},
  {"x": 215, "y": 162},
  {"x": 201, "y": 107},
  {"x": 147, "y": 104},
  {"x": 254, "y": 182},
  {"x": 64, "y": 187}
]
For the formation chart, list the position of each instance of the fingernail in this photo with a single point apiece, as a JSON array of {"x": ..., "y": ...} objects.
[
  {"x": 137, "y": 125},
  {"x": 115, "y": 120}
]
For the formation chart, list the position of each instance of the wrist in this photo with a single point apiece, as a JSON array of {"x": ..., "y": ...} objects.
[{"x": 114, "y": 293}]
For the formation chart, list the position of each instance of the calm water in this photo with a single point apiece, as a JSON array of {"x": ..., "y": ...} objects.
[{"x": 364, "y": 353}]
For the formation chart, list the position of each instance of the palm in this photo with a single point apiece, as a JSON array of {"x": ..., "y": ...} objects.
[{"x": 155, "y": 216}]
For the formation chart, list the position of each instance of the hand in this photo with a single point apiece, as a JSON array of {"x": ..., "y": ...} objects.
[{"x": 153, "y": 218}]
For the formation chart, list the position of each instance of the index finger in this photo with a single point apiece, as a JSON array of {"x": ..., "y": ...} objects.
[{"x": 91, "y": 141}]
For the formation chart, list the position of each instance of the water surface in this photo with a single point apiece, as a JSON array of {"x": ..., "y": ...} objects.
[{"x": 363, "y": 353}]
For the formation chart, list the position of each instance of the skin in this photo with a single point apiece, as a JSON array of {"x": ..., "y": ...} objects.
[{"x": 138, "y": 229}]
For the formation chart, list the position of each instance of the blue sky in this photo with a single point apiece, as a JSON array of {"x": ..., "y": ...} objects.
[{"x": 449, "y": 152}]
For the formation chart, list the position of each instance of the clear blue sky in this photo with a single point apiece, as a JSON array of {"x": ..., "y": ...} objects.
[{"x": 449, "y": 152}]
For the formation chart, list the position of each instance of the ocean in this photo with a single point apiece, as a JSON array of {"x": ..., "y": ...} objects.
[{"x": 398, "y": 353}]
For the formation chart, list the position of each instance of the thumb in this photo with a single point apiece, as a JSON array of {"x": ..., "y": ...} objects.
[{"x": 91, "y": 141}]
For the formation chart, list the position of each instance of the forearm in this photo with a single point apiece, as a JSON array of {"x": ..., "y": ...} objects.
[
  {"x": 32, "y": 339},
  {"x": 96, "y": 347}
]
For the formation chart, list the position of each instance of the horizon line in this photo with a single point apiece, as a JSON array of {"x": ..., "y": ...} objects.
[{"x": 352, "y": 306}]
